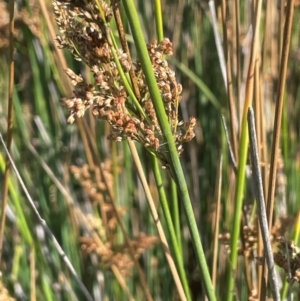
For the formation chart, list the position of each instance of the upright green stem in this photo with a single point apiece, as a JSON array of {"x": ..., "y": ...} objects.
[
  {"x": 174, "y": 161},
  {"x": 174, "y": 240},
  {"x": 240, "y": 185},
  {"x": 243, "y": 151},
  {"x": 176, "y": 214},
  {"x": 174, "y": 234},
  {"x": 158, "y": 20}
]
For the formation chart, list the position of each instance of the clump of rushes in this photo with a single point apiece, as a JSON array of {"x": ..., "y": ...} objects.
[{"x": 85, "y": 32}]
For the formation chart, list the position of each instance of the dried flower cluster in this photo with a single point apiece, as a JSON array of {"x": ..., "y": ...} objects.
[
  {"x": 288, "y": 258},
  {"x": 85, "y": 32},
  {"x": 249, "y": 240},
  {"x": 93, "y": 188},
  {"x": 250, "y": 235},
  {"x": 109, "y": 253},
  {"x": 118, "y": 256}
]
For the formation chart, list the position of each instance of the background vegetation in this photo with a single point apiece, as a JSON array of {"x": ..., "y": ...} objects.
[{"x": 87, "y": 188}]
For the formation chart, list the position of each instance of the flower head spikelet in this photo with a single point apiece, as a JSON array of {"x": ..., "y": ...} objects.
[{"x": 85, "y": 31}]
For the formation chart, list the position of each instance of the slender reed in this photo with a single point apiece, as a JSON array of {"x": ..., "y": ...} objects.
[
  {"x": 243, "y": 150},
  {"x": 217, "y": 219},
  {"x": 238, "y": 55},
  {"x": 279, "y": 107},
  {"x": 221, "y": 56},
  {"x": 174, "y": 235},
  {"x": 259, "y": 194},
  {"x": 175, "y": 240},
  {"x": 9, "y": 120},
  {"x": 174, "y": 163},
  {"x": 278, "y": 114},
  {"x": 156, "y": 219},
  {"x": 229, "y": 85}
]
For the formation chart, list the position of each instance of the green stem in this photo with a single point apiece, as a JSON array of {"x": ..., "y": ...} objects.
[
  {"x": 175, "y": 165},
  {"x": 174, "y": 240},
  {"x": 240, "y": 185},
  {"x": 158, "y": 20},
  {"x": 175, "y": 214}
]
